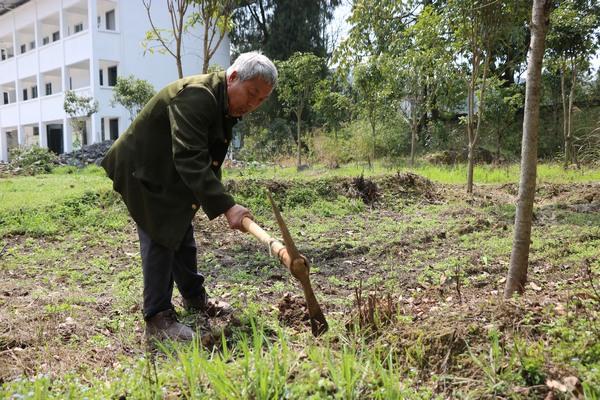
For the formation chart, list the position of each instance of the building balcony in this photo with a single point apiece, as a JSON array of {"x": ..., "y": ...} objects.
[
  {"x": 9, "y": 115},
  {"x": 27, "y": 63},
  {"x": 8, "y": 70},
  {"x": 30, "y": 111},
  {"x": 52, "y": 107},
  {"x": 77, "y": 47},
  {"x": 51, "y": 57}
]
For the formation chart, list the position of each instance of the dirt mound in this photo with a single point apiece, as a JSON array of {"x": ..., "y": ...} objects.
[
  {"x": 293, "y": 312},
  {"x": 409, "y": 185},
  {"x": 362, "y": 188}
]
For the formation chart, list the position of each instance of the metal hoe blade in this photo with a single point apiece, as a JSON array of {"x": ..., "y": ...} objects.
[{"x": 300, "y": 270}]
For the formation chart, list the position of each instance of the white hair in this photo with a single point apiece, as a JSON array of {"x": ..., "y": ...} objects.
[{"x": 254, "y": 65}]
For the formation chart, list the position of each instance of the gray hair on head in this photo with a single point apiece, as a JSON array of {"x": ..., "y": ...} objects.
[{"x": 254, "y": 65}]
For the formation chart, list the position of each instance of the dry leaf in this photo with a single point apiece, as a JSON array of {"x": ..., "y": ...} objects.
[
  {"x": 535, "y": 287},
  {"x": 556, "y": 385}
]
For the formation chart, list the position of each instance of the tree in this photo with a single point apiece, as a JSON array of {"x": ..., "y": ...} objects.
[
  {"x": 421, "y": 70},
  {"x": 477, "y": 27},
  {"x": 375, "y": 27},
  {"x": 281, "y": 27},
  {"x": 504, "y": 101},
  {"x": 216, "y": 19},
  {"x": 373, "y": 97},
  {"x": 251, "y": 27},
  {"x": 132, "y": 94},
  {"x": 572, "y": 40},
  {"x": 298, "y": 77},
  {"x": 517, "y": 274},
  {"x": 332, "y": 105},
  {"x": 79, "y": 109},
  {"x": 166, "y": 37}
]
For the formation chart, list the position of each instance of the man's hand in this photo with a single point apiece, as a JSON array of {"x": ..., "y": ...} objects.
[{"x": 235, "y": 215}]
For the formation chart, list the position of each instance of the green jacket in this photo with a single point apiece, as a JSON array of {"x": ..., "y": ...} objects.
[{"x": 168, "y": 162}]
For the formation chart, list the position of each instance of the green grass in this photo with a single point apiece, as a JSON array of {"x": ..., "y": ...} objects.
[
  {"x": 71, "y": 246},
  {"x": 40, "y": 191},
  {"x": 484, "y": 174}
]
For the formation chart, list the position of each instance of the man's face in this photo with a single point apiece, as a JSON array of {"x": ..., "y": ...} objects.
[{"x": 245, "y": 96}]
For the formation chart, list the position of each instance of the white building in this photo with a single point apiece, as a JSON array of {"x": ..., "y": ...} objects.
[{"x": 50, "y": 46}]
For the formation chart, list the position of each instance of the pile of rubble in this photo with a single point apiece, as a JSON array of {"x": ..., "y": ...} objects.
[{"x": 91, "y": 154}]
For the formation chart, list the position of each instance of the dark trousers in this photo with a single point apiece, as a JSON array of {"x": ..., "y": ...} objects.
[{"x": 162, "y": 267}]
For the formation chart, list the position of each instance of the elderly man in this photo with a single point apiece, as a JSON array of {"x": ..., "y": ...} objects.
[{"x": 168, "y": 164}]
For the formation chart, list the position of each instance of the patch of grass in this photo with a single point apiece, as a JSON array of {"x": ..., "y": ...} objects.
[{"x": 454, "y": 174}]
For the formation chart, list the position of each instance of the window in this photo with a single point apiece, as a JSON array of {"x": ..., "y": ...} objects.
[
  {"x": 70, "y": 83},
  {"x": 32, "y": 45},
  {"x": 55, "y": 36},
  {"x": 5, "y": 97},
  {"x": 36, "y": 131},
  {"x": 34, "y": 93},
  {"x": 101, "y": 77},
  {"x": 24, "y": 94},
  {"x": 48, "y": 88},
  {"x": 2, "y": 54},
  {"x": 102, "y": 134},
  {"x": 23, "y": 48},
  {"x": 110, "y": 20},
  {"x": 99, "y": 23},
  {"x": 45, "y": 41},
  {"x": 78, "y": 27},
  {"x": 112, "y": 76}
]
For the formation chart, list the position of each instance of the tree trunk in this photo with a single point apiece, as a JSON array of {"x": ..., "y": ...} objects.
[
  {"x": 498, "y": 144},
  {"x": 517, "y": 274},
  {"x": 373, "y": 137},
  {"x": 470, "y": 118},
  {"x": 570, "y": 114},
  {"x": 414, "y": 126},
  {"x": 413, "y": 144},
  {"x": 470, "y": 167},
  {"x": 563, "y": 95},
  {"x": 298, "y": 119},
  {"x": 205, "y": 48}
]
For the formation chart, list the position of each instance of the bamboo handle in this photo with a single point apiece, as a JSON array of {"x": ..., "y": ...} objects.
[
  {"x": 275, "y": 246},
  {"x": 298, "y": 268}
]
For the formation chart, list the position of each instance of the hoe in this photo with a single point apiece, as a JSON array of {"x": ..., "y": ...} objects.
[{"x": 296, "y": 263}]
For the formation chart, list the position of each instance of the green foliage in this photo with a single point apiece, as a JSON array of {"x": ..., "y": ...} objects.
[
  {"x": 31, "y": 160},
  {"x": 280, "y": 28},
  {"x": 132, "y": 93},
  {"x": 79, "y": 109},
  {"x": 375, "y": 27},
  {"x": 332, "y": 105},
  {"x": 572, "y": 34},
  {"x": 372, "y": 97},
  {"x": 298, "y": 77}
]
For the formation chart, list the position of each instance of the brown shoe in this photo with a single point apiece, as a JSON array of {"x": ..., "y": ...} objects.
[
  {"x": 164, "y": 325},
  {"x": 212, "y": 308}
]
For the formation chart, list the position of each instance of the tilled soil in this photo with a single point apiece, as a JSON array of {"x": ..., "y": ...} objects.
[{"x": 64, "y": 312}]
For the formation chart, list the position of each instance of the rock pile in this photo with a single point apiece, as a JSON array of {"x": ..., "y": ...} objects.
[{"x": 91, "y": 154}]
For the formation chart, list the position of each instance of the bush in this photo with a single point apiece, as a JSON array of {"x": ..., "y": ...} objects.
[{"x": 31, "y": 160}]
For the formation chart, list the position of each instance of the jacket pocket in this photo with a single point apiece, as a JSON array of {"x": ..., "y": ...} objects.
[{"x": 147, "y": 183}]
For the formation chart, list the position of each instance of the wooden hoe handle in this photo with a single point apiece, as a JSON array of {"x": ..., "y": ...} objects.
[{"x": 298, "y": 267}]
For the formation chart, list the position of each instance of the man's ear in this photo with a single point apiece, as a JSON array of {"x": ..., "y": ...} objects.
[{"x": 232, "y": 76}]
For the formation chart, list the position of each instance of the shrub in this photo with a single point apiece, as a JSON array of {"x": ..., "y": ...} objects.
[{"x": 31, "y": 160}]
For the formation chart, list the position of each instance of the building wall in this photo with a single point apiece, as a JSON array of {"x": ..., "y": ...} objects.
[{"x": 70, "y": 46}]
